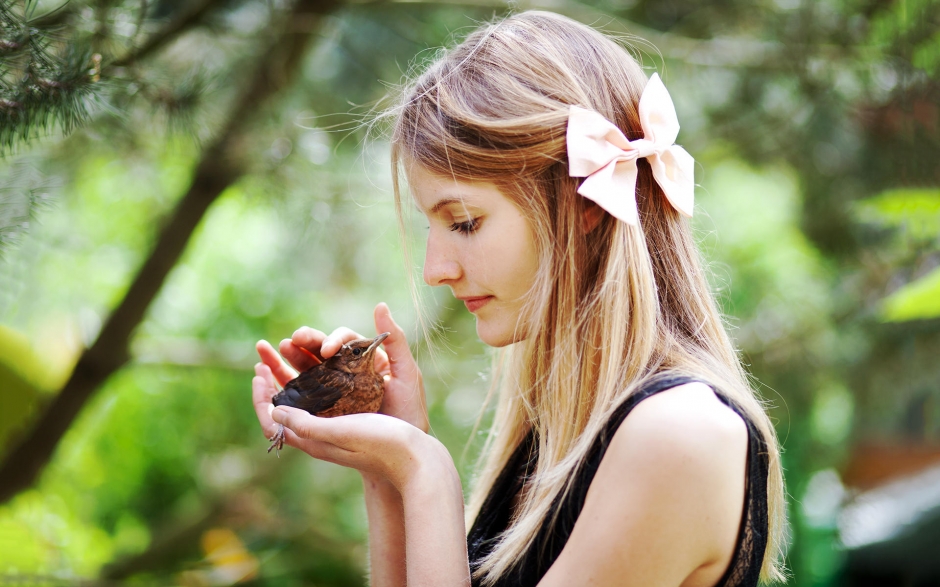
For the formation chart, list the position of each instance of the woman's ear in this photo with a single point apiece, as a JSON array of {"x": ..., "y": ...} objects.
[{"x": 591, "y": 216}]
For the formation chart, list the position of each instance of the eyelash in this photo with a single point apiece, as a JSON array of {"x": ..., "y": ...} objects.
[{"x": 467, "y": 227}]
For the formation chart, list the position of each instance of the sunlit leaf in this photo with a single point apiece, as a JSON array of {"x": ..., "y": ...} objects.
[
  {"x": 916, "y": 211},
  {"x": 915, "y": 301},
  {"x": 20, "y": 548},
  {"x": 927, "y": 56},
  {"x": 23, "y": 380}
]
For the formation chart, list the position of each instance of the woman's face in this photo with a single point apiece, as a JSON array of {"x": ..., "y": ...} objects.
[{"x": 481, "y": 246}]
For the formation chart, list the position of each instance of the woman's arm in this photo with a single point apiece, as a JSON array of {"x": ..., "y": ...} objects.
[
  {"x": 383, "y": 501},
  {"x": 404, "y": 399},
  {"x": 417, "y": 466},
  {"x": 436, "y": 540},
  {"x": 417, "y": 536},
  {"x": 665, "y": 506},
  {"x": 386, "y": 515}
]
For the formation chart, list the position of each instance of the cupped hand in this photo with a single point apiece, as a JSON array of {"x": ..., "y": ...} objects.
[
  {"x": 404, "y": 386},
  {"x": 374, "y": 444}
]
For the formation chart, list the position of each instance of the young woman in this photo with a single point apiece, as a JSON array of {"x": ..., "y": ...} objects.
[{"x": 627, "y": 448}]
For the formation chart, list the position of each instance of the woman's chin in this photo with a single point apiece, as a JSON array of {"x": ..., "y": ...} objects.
[{"x": 495, "y": 335}]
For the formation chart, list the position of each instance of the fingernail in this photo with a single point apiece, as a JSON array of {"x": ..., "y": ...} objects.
[{"x": 279, "y": 415}]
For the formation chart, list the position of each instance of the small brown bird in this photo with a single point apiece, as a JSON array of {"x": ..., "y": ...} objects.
[{"x": 346, "y": 383}]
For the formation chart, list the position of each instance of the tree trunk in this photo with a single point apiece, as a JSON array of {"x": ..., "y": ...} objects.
[{"x": 219, "y": 168}]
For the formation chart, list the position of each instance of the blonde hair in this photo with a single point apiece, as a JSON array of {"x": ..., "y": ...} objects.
[{"x": 611, "y": 307}]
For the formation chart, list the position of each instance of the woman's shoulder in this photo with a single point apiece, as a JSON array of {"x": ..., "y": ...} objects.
[
  {"x": 689, "y": 417},
  {"x": 665, "y": 505},
  {"x": 687, "y": 433},
  {"x": 686, "y": 451}
]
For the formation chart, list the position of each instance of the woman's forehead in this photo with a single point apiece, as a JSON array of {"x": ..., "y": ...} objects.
[{"x": 433, "y": 192}]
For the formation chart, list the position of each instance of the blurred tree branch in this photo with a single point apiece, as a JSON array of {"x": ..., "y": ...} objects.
[
  {"x": 234, "y": 507},
  {"x": 221, "y": 165},
  {"x": 738, "y": 51},
  {"x": 724, "y": 52},
  {"x": 168, "y": 542},
  {"x": 189, "y": 17},
  {"x": 182, "y": 532}
]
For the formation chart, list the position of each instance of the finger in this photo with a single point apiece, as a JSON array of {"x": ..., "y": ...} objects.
[
  {"x": 262, "y": 390},
  {"x": 281, "y": 371},
  {"x": 401, "y": 363},
  {"x": 310, "y": 340},
  {"x": 299, "y": 357},
  {"x": 309, "y": 427},
  {"x": 336, "y": 339},
  {"x": 318, "y": 449},
  {"x": 381, "y": 362}
]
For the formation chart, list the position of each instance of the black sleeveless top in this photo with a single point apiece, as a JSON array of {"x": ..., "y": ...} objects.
[{"x": 495, "y": 514}]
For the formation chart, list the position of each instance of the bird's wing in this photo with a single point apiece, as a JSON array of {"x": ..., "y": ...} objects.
[{"x": 309, "y": 392}]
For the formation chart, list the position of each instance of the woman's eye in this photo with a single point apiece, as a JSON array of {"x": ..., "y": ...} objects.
[{"x": 466, "y": 227}]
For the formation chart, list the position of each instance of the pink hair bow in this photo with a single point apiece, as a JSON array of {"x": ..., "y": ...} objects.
[{"x": 599, "y": 152}]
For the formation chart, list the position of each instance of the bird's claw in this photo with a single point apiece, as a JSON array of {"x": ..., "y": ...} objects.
[{"x": 277, "y": 441}]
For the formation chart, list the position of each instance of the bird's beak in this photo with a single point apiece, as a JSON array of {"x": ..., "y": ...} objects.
[{"x": 377, "y": 341}]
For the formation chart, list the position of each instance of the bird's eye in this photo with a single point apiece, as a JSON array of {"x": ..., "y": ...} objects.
[{"x": 357, "y": 351}]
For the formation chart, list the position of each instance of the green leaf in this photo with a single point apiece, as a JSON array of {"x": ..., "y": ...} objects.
[
  {"x": 23, "y": 381},
  {"x": 915, "y": 211},
  {"x": 927, "y": 56},
  {"x": 917, "y": 300}
]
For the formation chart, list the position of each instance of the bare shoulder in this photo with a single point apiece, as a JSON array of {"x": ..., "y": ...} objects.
[
  {"x": 687, "y": 419},
  {"x": 682, "y": 438},
  {"x": 665, "y": 505},
  {"x": 684, "y": 452}
]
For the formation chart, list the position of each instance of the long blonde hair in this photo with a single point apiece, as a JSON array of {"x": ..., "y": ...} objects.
[{"x": 611, "y": 306}]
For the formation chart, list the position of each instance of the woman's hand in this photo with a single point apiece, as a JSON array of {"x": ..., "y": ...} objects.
[
  {"x": 412, "y": 489},
  {"x": 404, "y": 386},
  {"x": 375, "y": 444}
]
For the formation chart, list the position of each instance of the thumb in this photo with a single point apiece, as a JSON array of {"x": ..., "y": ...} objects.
[
  {"x": 296, "y": 420},
  {"x": 396, "y": 344}
]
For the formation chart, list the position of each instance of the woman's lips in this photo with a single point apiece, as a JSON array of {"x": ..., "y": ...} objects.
[{"x": 474, "y": 304}]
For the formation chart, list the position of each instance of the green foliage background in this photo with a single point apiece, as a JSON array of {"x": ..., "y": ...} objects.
[{"x": 816, "y": 129}]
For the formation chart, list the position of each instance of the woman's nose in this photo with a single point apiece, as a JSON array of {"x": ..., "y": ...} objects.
[{"x": 440, "y": 266}]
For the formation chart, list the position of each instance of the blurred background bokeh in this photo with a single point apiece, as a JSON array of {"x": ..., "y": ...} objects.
[{"x": 180, "y": 178}]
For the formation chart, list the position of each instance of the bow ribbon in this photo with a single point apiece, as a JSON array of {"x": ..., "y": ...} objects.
[{"x": 599, "y": 152}]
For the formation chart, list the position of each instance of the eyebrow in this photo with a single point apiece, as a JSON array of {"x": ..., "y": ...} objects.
[{"x": 445, "y": 202}]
